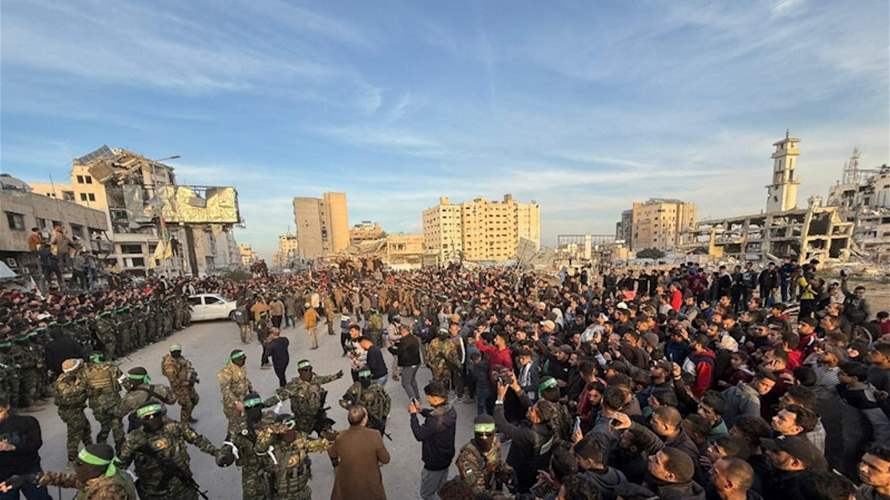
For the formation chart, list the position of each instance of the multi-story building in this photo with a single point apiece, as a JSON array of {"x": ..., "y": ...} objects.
[
  {"x": 24, "y": 210},
  {"x": 656, "y": 223},
  {"x": 287, "y": 250},
  {"x": 247, "y": 254},
  {"x": 322, "y": 225},
  {"x": 480, "y": 230},
  {"x": 365, "y": 231},
  {"x": 863, "y": 196},
  {"x": 815, "y": 232},
  {"x": 123, "y": 184}
]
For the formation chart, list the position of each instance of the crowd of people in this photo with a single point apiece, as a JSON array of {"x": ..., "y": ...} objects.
[{"x": 676, "y": 383}]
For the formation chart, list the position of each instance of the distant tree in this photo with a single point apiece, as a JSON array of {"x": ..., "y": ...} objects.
[{"x": 650, "y": 253}]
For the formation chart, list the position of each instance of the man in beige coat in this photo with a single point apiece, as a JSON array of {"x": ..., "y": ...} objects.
[{"x": 357, "y": 454}]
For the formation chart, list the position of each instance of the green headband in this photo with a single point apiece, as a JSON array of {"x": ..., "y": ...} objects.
[
  {"x": 250, "y": 403},
  {"x": 175, "y": 347},
  {"x": 483, "y": 428},
  {"x": 148, "y": 410},
  {"x": 139, "y": 378},
  {"x": 88, "y": 458},
  {"x": 547, "y": 383},
  {"x": 239, "y": 354},
  {"x": 364, "y": 373},
  {"x": 96, "y": 357},
  {"x": 289, "y": 423},
  {"x": 304, "y": 364}
]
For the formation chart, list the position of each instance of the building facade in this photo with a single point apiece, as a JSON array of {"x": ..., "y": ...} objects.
[
  {"x": 365, "y": 231},
  {"x": 815, "y": 232},
  {"x": 287, "y": 250},
  {"x": 246, "y": 254},
  {"x": 863, "y": 196},
  {"x": 656, "y": 223},
  {"x": 322, "y": 225},
  {"x": 122, "y": 184},
  {"x": 24, "y": 210},
  {"x": 480, "y": 230}
]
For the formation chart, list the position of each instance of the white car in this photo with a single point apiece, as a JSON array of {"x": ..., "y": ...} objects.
[{"x": 208, "y": 306}]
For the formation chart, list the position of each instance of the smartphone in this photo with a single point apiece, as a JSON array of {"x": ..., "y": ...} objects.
[{"x": 577, "y": 424}]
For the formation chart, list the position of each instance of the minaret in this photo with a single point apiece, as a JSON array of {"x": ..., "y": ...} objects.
[{"x": 782, "y": 193}]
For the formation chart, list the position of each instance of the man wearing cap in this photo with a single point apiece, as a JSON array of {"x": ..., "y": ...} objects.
[
  {"x": 479, "y": 462},
  {"x": 182, "y": 377},
  {"x": 307, "y": 398},
  {"x": 139, "y": 390},
  {"x": 161, "y": 446},
  {"x": 234, "y": 385},
  {"x": 372, "y": 396},
  {"x": 437, "y": 437},
  {"x": 95, "y": 477},
  {"x": 289, "y": 451},
  {"x": 104, "y": 397},
  {"x": 793, "y": 460},
  {"x": 71, "y": 400}
]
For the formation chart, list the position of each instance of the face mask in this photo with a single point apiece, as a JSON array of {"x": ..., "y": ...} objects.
[
  {"x": 365, "y": 382},
  {"x": 176, "y": 354},
  {"x": 254, "y": 414},
  {"x": 552, "y": 396},
  {"x": 239, "y": 361},
  {"x": 85, "y": 472},
  {"x": 484, "y": 442},
  {"x": 305, "y": 376},
  {"x": 151, "y": 425},
  {"x": 289, "y": 436}
]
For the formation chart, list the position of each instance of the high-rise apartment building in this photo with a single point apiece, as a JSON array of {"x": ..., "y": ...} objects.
[
  {"x": 322, "y": 225},
  {"x": 480, "y": 230},
  {"x": 656, "y": 223},
  {"x": 287, "y": 250}
]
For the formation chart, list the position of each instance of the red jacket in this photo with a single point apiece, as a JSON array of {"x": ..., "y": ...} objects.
[
  {"x": 704, "y": 368},
  {"x": 676, "y": 300},
  {"x": 496, "y": 357}
]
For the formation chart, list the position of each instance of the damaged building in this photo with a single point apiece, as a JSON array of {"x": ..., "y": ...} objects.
[
  {"x": 863, "y": 196},
  {"x": 784, "y": 230},
  {"x": 153, "y": 222}
]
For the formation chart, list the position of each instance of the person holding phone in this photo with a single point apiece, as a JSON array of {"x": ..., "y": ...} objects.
[{"x": 436, "y": 435}]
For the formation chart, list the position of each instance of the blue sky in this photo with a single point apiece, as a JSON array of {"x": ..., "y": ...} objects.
[{"x": 581, "y": 106}]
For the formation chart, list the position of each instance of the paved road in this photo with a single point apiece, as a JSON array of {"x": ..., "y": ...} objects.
[{"x": 207, "y": 345}]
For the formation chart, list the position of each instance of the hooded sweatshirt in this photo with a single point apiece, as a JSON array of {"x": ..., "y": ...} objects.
[
  {"x": 607, "y": 480},
  {"x": 437, "y": 435}
]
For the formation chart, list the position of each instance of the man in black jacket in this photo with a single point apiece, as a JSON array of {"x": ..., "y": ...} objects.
[
  {"x": 437, "y": 437},
  {"x": 20, "y": 442},
  {"x": 407, "y": 351},
  {"x": 374, "y": 360}
]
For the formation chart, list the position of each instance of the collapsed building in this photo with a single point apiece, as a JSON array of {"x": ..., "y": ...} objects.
[
  {"x": 784, "y": 230},
  {"x": 154, "y": 222},
  {"x": 863, "y": 196}
]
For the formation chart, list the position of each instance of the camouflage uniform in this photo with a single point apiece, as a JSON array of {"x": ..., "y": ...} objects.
[
  {"x": 375, "y": 329},
  {"x": 105, "y": 399},
  {"x": 140, "y": 334},
  {"x": 122, "y": 323},
  {"x": 105, "y": 332},
  {"x": 482, "y": 471},
  {"x": 71, "y": 399},
  {"x": 9, "y": 373},
  {"x": 441, "y": 355},
  {"x": 374, "y": 398},
  {"x": 292, "y": 468},
  {"x": 182, "y": 377},
  {"x": 306, "y": 400},
  {"x": 166, "y": 317},
  {"x": 234, "y": 385},
  {"x": 27, "y": 358},
  {"x": 255, "y": 473},
  {"x": 117, "y": 487},
  {"x": 158, "y": 455},
  {"x": 80, "y": 329},
  {"x": 139, "y": 395},
  {"x": 557, "y": 418}
]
